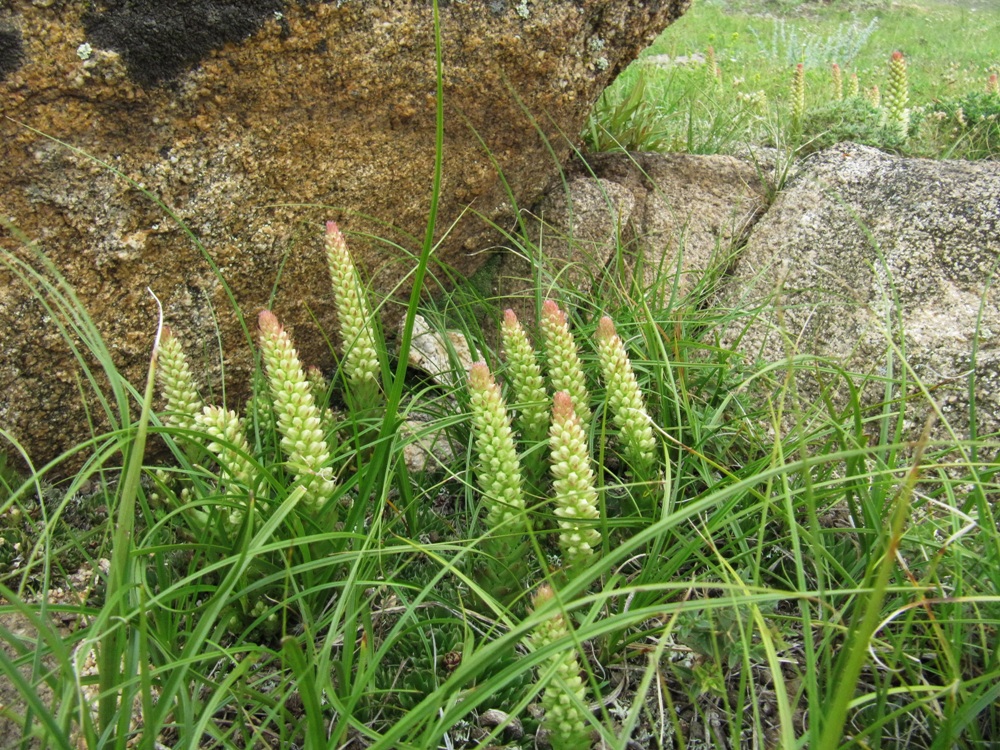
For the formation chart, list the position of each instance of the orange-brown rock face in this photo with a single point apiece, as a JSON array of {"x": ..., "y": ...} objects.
[{"x": 254, "y": 122}]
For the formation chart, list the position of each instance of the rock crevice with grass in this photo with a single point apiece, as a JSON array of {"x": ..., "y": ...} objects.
[{"x": 253, "y": 122}]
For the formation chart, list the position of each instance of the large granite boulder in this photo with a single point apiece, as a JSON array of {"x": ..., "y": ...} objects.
[
  {"x": 885, "y": 267},
  {"x": 254, "y": 122},
  {"x": 669, "y": 217}
]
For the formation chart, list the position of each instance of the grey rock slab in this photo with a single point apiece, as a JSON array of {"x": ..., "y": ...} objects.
[
  {"x": 672, "y": 217},
  {"x": 882, "y": 266}
]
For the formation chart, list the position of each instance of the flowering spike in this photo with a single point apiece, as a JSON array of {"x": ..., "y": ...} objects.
[
  {"x": 853, "y": 86},
  {"x": 798, "y": 96},
  {"x": 183, "y": 401},
  {"x": 897, "y": 95},
  {"x": 360, "y": 356},
  {"x": 229, "y": 444},
  {"x": 993, "y": 84},
  {"x": 712, "y": 65},
  {"x": 573, "y": 483},
  {"x": 498, "y": 469},
  {"x": 838, "y": 82},
  {"x": 874, "y": 96},
  {"x": 624, "y": 397},
  {"x": 566, "y": 693},
  {"x": 565, "y": 370},
  {"x": 526, "y": 379},
  {"x": 298, "y": 418}
]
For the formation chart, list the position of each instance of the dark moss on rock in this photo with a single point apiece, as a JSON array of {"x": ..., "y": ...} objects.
[
  {"x": 160, "y": 39},
  {"x": 11, "y": 51}
]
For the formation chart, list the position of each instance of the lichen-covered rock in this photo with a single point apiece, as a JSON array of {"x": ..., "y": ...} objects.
[
  {"x": 255, "y": 122},
  {"x": 657, "y": 210},
  {"x": 863, "y": 252}
]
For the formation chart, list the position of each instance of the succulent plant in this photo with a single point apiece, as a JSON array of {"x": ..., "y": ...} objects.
[
  {"x": 573, "y": 484},
  {"x": 526, "y": 379},
  {"x": 298, "y": 419},
  {"x": 897, "y": 95},
  {"x": 628, "y": 409},
  {"x": 361, "y": 363},
  {"x": 564, "y": 368},
  {"x": 497, "y": 467},
  {"x": 565, "y": 695},
  {"x": 177, "y": 382}
]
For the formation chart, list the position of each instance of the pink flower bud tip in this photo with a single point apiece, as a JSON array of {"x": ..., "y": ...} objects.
[
  {"x": 480, "y": 375},
  {"x": 509, "y": 317},
  {"x": 606, "y": 328},
  {"x": 897, "y": 55},
  {"x": 268, "y": 322},
  {"x": 562, "y": 406},
  {"x": 543, "y": 594},
  {"x": 553, "y": 313}
]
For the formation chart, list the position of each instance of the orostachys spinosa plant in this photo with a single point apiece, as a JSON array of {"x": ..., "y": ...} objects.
[
  {"x": 565, "y": 370},
  {"x": 574, "y": 493},
  {"x": 565, "y": 694},
  {"x": 628, "y": 408},
  {"x": 360, "y": 363},
  {"x": 177, "y": 382},
  {"x": 897, "y": 95},
  {"x": 571, "y": 485},
  {"x": 298, "y": 419},
  {"x": 303, "y": 424},
  {"x": 526, "y": 379},
  {"x": 498, "y": 469}
]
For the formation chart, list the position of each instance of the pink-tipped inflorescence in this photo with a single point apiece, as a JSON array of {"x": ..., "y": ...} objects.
[
  {"x": 360, "y": 356},
  {"x": 874, "y": 96},
  {"x": 498, "y": 468},
  {"x": 853, "y": 86},
  {"x": 299, "y": 421},
  {"x": 177, "y": 382},
  {"x": 897, "y": 95},
  {"x": 573, "y": 489},
  {"x": 526, "y": 379},
  {"x": 838, "y": 82},
  {"x": 993, "y": 84},
  {"x": 565, "y": 370},
  {"x": 628, "y": 408},
  {"x": 565, "y": 695},
  {"x": 712, "y": 65},
  {"x": 798, "y": 95}
]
